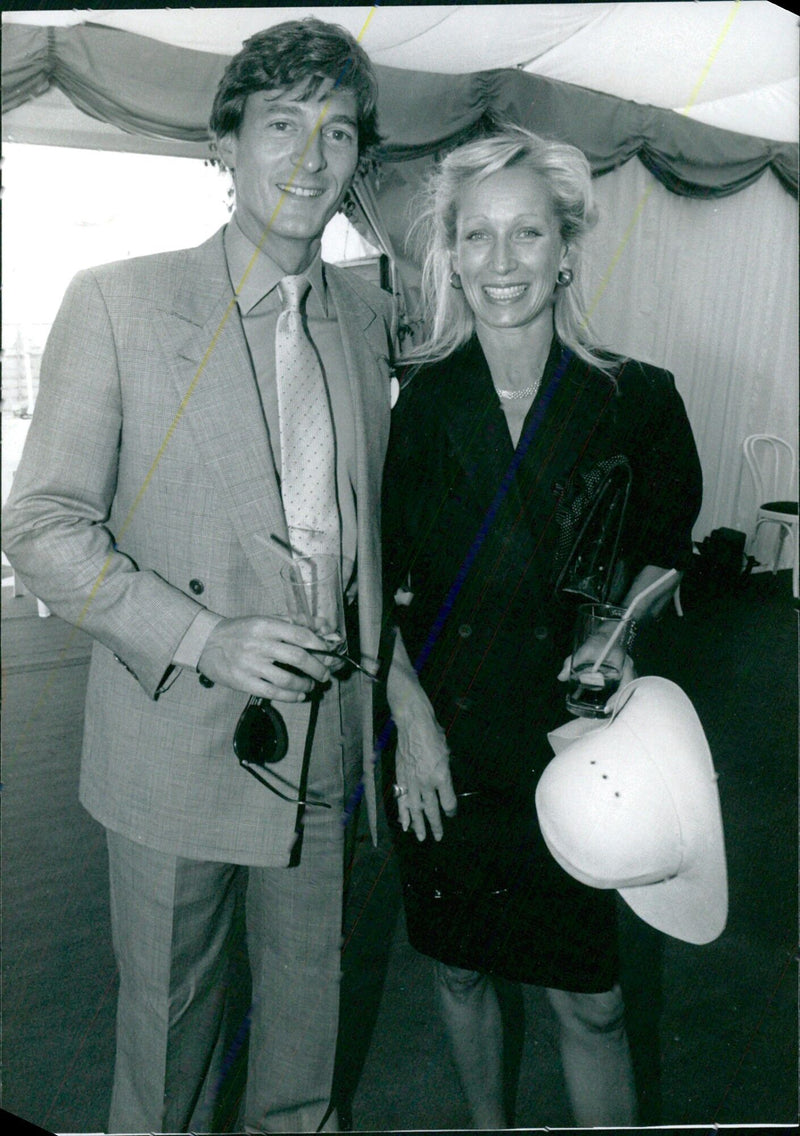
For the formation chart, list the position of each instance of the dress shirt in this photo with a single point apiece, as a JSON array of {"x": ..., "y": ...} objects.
[{"x": 254, "y": 278}]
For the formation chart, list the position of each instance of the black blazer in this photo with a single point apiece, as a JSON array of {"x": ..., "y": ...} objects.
[{"x": 471, "y": 531}]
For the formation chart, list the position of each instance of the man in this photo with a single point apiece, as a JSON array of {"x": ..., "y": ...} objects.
[{"x": 144, "y": 510}]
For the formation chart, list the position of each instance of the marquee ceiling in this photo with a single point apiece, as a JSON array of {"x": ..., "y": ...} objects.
[{"x": 726, "y": 63}]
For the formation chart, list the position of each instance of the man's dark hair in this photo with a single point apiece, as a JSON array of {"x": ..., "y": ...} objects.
[{"x": 304, "y": 53}]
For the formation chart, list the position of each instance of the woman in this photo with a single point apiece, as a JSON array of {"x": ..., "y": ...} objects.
[{"x": 499, "y": 441}]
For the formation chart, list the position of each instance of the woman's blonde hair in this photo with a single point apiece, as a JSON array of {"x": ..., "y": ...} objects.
[{"x": 566, "y": 172}]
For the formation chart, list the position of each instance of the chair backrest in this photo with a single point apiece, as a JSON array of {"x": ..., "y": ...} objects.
[{"x": 771, "y": 464}]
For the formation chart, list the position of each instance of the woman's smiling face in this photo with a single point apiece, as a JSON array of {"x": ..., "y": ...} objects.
[{"x": 508, "y": 248}]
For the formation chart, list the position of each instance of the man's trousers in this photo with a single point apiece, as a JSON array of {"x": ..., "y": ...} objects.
[{"x": 174, "y": 923}]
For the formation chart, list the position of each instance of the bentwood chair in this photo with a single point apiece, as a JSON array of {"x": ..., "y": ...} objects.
[{"x": 771, "y": 462}]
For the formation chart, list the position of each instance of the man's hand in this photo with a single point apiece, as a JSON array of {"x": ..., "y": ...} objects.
[{"x": 252, "y": 655}]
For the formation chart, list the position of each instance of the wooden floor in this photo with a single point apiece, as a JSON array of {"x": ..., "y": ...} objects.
[{"x": 713, "y": 1028}]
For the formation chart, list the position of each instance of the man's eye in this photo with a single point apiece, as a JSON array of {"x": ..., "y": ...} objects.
[
  {"x": 337, "y": 134},
  {"x": 279, "y": 126}
]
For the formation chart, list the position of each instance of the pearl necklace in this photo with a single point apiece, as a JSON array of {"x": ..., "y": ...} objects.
[{"x": 525, "y": 392}]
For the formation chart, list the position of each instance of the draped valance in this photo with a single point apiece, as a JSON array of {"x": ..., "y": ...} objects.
[{"x": 146, "y": 87}]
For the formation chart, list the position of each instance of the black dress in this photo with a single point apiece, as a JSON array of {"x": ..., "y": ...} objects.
[{"x": 474, "y": 532}]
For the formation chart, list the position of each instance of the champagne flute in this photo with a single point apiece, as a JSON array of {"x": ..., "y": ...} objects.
[{"x": 315, "y": 598}]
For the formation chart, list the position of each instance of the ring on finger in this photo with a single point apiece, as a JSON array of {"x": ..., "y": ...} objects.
[{"x": 399, "y": 790}]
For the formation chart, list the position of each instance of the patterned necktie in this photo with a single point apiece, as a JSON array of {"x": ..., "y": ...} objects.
[{"x": 308, "y": 475}]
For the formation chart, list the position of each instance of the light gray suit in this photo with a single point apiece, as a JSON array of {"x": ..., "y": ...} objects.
[
  {"x": 146, "y": 477},
  {"x": 146, "y": 489}
]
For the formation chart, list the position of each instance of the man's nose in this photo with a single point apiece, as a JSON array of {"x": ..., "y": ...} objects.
[{"x": 311, "y": 155}]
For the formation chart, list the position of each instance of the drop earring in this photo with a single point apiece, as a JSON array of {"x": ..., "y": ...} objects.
[
  {"x": 455, "y": 281},
  {"x": 564, "y": 277}
]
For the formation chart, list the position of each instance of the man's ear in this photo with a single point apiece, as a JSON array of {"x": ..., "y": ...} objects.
[{"x": 226, "y": 148}]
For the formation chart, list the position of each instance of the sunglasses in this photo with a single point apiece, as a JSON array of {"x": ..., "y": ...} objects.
[
  {"x": 261, "y": 740},
  {"x": 346, "y": 659}
]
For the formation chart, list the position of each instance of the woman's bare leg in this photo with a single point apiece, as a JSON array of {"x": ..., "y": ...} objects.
[
  {"x": 471, "y": 1015},
  {"x": 596, "y": 1057}
]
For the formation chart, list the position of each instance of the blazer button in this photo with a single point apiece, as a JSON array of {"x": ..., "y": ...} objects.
[
  {"x": 463, "y": 703},
  {"x": 206, "y": 681},
  {"x": 465, "y": 631},
  {"x": 197, "y": 586},
  {"x": 540, "y": 632}
]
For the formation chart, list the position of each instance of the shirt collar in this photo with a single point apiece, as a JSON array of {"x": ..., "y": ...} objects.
[{"x": 264, "y": 274}]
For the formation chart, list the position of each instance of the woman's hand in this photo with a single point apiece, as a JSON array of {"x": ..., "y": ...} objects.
[
  {"x": 652, "y": 605},
  {"x": 591, "y": 650},
  {"x": 423, "y": 770},
  {"x": 423, "y": 758}
]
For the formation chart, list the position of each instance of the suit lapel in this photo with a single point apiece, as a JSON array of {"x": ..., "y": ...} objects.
[
  {"x": 210, "y": 364},
  {"x": 365, "y": 346},
  {"x": 514, "y": 487},
  {"x": 365, "y": 351},
  {"x": 478, "y": 433}
]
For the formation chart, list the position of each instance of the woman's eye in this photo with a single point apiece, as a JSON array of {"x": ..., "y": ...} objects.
[
  {"x": 529, "y": 234},
  {"x": 477, "y": 235}
]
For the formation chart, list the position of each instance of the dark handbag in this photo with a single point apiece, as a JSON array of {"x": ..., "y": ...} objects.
[
  {"x": 720, "y": 564},
  {"x": 590, "y": 517}
]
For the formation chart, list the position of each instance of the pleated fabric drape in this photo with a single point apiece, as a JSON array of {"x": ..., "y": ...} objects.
[
  {"x": 708, "y": 289},
  {"x": 147, "y": 87},
  {"x": 706, "y": 283}
]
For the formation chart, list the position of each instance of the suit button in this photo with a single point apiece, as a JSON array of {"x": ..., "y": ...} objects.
[
  {"x": 197, "y": 586},
  {"x": 206, "y": 681},
  {"x": 463, "y": 703},
  {"x": 465, "y": 631},
  {"x": 540, "y": 632}
]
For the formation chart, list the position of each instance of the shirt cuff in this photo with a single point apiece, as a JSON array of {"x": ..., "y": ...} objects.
[{"x": 190, "y": 648}]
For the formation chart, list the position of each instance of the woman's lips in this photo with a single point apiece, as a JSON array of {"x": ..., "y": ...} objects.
[{"x": 504, "y": 293}]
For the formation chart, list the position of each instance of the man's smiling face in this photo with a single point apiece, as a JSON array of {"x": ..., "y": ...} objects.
[{"x": 293, "y": 161}]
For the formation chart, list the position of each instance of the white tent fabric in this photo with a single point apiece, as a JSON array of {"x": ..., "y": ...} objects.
[
  {"x": 728, "y": 63},
  {"x": 707, "y": 288}
]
